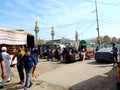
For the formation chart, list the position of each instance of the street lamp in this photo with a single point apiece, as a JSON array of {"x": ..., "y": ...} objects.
[
  {"x": 36, "y": 32},
  {"x": 52, "y": 33}
]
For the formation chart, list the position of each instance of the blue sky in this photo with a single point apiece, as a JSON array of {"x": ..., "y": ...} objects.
[{"x": 67, "y": 17}]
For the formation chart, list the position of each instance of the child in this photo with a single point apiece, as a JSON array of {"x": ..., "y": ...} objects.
[
  {"x": 29, "y": 63},
  {"x": 36, "y": 55}
]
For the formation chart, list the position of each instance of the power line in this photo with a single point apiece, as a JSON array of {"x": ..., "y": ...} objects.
[
  {"x": 70, "y": 24},
  {"x": 88, "y": 28},
  {"x": 109, "y": 21},
  {"x": 105, "y": 3},
  {"x": 61, "y": 26}
]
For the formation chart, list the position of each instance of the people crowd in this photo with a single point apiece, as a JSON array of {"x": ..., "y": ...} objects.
[
  {"x": 27, "y": 60},
  {"x": 56, "y": 54}
]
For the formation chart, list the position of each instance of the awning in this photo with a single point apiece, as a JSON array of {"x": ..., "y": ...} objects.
[
  {"x": 83, "y": 42},
  {"x": 12, "y": 37}
]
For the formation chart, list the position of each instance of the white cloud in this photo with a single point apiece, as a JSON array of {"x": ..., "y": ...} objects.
[
  {"x": 12, "y": 13},
  {"x": 9, "y": 4},
  {"x": 66, "y": 16}
]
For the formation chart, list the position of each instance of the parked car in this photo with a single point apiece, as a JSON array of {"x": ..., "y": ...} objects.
[{"x": 104, "y": 54}]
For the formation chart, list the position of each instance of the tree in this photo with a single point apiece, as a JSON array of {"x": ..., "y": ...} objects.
[
  {"x": 114, "y": 40},
  {"x": 99, "y": 40},
  {"x": 106, "y": 39},
  {"x": 118, "y": 40}
]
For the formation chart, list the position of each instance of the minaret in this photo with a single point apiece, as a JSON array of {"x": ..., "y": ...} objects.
[
  {"x": 36, "y": 32},
  {"x": 52, "y": 33},
  {"x": 76, "y": 36},
  {"x": 76, "y": 39}
]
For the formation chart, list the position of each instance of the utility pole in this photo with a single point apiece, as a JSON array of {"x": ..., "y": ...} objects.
[{"x": 98, "y": 39}]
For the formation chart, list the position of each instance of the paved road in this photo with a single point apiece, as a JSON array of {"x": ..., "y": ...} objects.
[{"x": 84, "y": 75}]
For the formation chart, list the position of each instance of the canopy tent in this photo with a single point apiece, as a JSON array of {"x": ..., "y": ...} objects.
[
  {"x": 12, "y": 37},
  {"x": 83, "y": 42}
]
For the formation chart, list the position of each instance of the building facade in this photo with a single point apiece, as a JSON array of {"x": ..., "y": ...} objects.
[{"x": 65, "y": 41}]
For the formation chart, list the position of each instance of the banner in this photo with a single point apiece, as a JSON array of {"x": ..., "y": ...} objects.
[{"x": 11, "y": 37}]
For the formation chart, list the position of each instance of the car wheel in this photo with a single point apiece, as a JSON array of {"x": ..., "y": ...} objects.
[
  {"x": 98, "y": 61},
  {"x": 89, "y": 57}
]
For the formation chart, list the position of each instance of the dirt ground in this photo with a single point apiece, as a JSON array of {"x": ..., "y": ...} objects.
[
  {"x": 60, "y": 76},
  {"x": 42, "y": 67}
]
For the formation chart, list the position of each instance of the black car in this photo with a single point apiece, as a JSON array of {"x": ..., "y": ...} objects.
[{"x": 104, "y": 54}]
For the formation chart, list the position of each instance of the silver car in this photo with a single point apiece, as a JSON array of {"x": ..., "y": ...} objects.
[{"x": 104, "y": 54}]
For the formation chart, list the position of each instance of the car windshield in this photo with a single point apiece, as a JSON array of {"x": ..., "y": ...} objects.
[{"x": 105, "y": 50}]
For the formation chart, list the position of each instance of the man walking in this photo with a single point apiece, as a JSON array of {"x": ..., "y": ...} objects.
[
  {"x": 29, "y": 63},
  {"x": 3, "y": 69},
  {"x": 6, "y": 58},
  {"x": 115, "y": 55},
  {"x": 48, "y": 54},
  {"x": 19, "y": 54}
]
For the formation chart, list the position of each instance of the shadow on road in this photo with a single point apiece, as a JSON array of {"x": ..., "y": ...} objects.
[
  {"x": 100, "y": 63},
  {"x": 62, "y": 62},
  {"x": 13, "y": 86},
  {"x": 99, "y": 82},
  {"x": 70, "y": 62}
]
